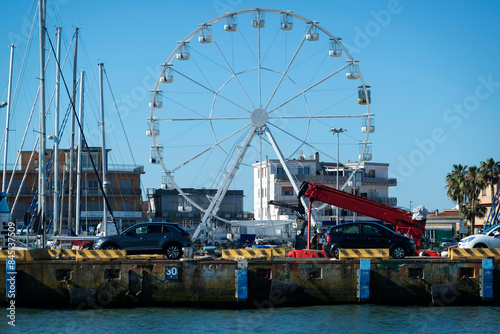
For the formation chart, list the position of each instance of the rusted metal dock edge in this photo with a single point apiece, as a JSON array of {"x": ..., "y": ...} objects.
[{"x": 252, "y": 284}]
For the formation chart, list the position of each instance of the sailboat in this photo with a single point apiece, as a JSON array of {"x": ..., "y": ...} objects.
[{"x": 35, "y": 220}]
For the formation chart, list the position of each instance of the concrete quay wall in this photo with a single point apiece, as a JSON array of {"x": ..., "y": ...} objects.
[{"x": 213, "y": 283}]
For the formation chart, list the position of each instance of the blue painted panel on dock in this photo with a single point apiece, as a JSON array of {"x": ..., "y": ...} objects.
[
  {"x": 171, "y": 273},
  {"x": 241, "y": 284},
  {"x": 487, "y": 279},
  {"x": 364, "y": 279}
]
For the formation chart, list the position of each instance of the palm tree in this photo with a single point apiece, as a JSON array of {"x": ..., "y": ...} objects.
[
  {"x": 470, "y": 212},
  {"x": 491, "y": 172},
  {"x": 455, "y": 183},
  {"x": 473, "y": 184}
]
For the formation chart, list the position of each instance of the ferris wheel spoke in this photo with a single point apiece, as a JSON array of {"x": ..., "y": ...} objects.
[
  {"x": 286, "y": 70},
  {"x": 210, "y": 90},
  {"x": 309, "y": 88},
  {"x": 317, "y": 116},
  {"x": 260, "y": 86},
  {"x": 302, "y": 141},
  {"x": 181, "y": 105},
  {"x": 209, "y": 59},
  {"x": 203, "y": 119},
  {"x": 234, "y": 74},
  {"x": 208, "y": 149}
]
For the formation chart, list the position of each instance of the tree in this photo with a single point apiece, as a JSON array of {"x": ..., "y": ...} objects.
[
  {"x": 473, "y": 184},
  {"x": 455, "y": 182},
  {"x": 491, "y": 172},
  {"x": 470, "y": 212}
]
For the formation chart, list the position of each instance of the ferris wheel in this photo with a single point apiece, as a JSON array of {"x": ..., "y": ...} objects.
[{"x": 248, "y": 86}]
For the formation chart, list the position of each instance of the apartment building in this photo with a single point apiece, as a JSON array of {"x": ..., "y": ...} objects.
[
  {"x": 123, "y": 189},
  {"x": 371, "y": 180}
]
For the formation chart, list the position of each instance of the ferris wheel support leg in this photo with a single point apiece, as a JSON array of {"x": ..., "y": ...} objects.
[
  {"x": 290, "y": 176},
  {"x": 219, "y": 196}
]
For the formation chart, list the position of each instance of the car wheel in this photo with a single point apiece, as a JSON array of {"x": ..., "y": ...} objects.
[
  {"x": 480, "y": 246},
  {"x": 398, "y": 252},
  {"x": 336, "y": 252},
  {"x": 110, "y": 246},
  {"x": 172, "y": 251}
]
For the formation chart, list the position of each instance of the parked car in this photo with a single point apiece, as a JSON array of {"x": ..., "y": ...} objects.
[
  {"x": 489, "y": 238},
  {"x": 448, "y": 243},
  {"x": 368, "y": 235},
  {"x": 167, "y": 238}
]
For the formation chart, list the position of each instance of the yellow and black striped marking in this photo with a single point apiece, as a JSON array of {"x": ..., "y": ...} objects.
[
  {"x": 18, "y": 255},
  {"x": 62, "y": 254},
  {"x": 280, "y": 252},
  {"x": 475, "y": 253},
  {"x": 82, "y": 255},
  {"x": 241, "y": 253},
  {"x": 271, "y": 253},
  {"x": 378, "y": 253},
  {"x": 40, "y": 254}
]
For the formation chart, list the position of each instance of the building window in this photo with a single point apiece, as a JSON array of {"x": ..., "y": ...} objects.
[
  {"x": 90, "y": 186},
  {"x": 371, "y": 173},
  {"x": 228, "y": 208},
  {"x": 126, "y": 186},
  {"x": 303, "y": 171},
  {"x": 287, "y": 191},
  {"x": 280, "y": 171},
  {"x": 125, "y": 206},
  {"x": 86, "y": 162},
  {"x": 95, "y": 205}
]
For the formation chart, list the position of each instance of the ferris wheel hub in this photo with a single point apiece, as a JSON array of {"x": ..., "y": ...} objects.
[{"x": 259, "y": 117}]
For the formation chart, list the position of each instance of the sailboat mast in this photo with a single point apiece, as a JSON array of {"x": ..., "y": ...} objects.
[
  {"x": 104, "y": 160},
  {"x": 9, "y": 106},
  {"x": 41, "y": 151},
  {"x": 79, "y": 161},
  {"x": 57, "y": 225},
  {"x": 72, "y": 145}
]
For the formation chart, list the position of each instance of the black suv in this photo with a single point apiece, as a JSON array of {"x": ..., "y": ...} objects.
[
  {"x": 150, "y": 237},
  {"x": 368, "y": 235}
]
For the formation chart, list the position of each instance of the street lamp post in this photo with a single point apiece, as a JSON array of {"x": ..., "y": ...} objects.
[{"x": 337, "y": 131}]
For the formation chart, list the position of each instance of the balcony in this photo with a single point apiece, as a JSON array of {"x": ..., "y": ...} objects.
[
  {"x": 126, "y": 168},
  {"x": 391, "y": 201},
  {"x": 111, "y": 191},
  {"x": 332, "y": 179},
  {"x": 379, "y": 181}
]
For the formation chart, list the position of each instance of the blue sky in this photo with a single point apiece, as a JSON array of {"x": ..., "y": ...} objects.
[{"x": 432, "y": 66}]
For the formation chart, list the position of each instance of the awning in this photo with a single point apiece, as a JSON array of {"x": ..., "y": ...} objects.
[{"x": 440, "y": 227}]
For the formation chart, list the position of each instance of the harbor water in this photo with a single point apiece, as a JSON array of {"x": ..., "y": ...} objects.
[{"x": 317, "y": 319}]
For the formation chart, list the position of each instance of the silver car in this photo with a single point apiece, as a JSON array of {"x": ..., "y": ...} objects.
[
  {"x": 448, "y": 243},
  {"x": 489, "y": 238},
  {"x": 167, "y": 238}
]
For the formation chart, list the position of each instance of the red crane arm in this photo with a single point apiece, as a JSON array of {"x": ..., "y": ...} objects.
[{"x": 399, "y": 218}]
